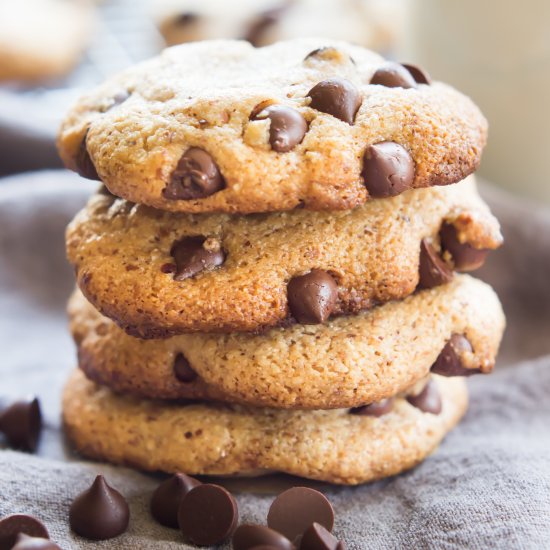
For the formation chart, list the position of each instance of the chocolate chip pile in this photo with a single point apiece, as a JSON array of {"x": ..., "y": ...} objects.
[{"x": 218, "y": 336}]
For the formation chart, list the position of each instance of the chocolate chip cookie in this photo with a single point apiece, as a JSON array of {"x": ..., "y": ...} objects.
[
  {"x": 453, "y": 329},
  {"x": 221, "y": 126},
  {"x": 341, "y": 446},
  {"x": 158, "y": 274}
]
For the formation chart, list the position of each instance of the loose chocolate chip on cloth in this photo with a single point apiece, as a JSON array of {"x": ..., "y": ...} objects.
[{"x": 487, "y": 486}]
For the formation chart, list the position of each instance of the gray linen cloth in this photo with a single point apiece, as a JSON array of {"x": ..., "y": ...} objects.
[{"x": 488, "y": 486}]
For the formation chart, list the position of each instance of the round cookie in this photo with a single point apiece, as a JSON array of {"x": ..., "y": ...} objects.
[
  {"x": 42, "y": 39},
  {"x": 215, "y": 439},
  {"x": 221, "y": 126},
  {"x": 350, "y": 361},
  {"x": 374, "y": 24},
  {"x": 234, "y": 270}
]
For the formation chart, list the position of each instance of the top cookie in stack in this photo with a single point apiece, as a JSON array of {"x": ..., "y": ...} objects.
[{"x": 221, "y": 126}]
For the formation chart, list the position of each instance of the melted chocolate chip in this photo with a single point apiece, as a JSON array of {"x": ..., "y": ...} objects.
[
  {"x": 465, "y": 256},
  {"x": 433, "y": 270},
  {"x": 247, "y": 537},
  {"x": 428, "y": 400},
  {"x": 119, "y": 98},
  {"x": 208, "y": 515},
  {"x": 312, "y": 297},
  {"x": 374, "y": 409},
  {"x": 84, "y": 164},
  {"x": 21, "y": 424},
  {"x": 183, "y": 370},
  {"x": 167, "y": 498},
  {"x": 318, "y": 538},
  {"x": 449, "y": 361},
  {"x": 196, "y": 176},
  {"x": 328, "y": 53},
  {"x": 337, "y": 97},
  {"x": 420, "y": 75},
  {"x": 287, "y": 129},
  {"x": 393, "y": 75},
  {"x": 388, "y": 169},
  {"x": 24, "y": 542},
  {"x": 100, "y": 512},
  {"x": 14, "y": 525},
  {"x": 191, "y": 257},
  {"x": 296, "y": 509}
]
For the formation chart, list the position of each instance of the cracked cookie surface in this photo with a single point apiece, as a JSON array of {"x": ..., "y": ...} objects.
[{"x": 138, "y": 130}]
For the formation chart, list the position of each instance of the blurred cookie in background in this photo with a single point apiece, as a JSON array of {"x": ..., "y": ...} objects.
[
  {"x": 42, "y": 39},
  {"x": 376, "y": 24}
]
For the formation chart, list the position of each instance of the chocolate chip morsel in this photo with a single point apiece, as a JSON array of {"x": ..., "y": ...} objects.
[
  {"x": 419, "y": 74},
  {"x": 388, "y": 169},
  {"x": 262, "y": 23},
  {"x": 208, "y": 515},
  {"x": 84, "y": 164},
  {"x": 167, "y": 498},
  {"x": 393, "y": 75},
  {"x": 318, "y": 538},
  {"x": 428, "y": 400},
  {"x": 287, "y": 129},
  {"x": 183, "y": 370},
  {"x": 465, "y": 256},
  {"x": 337, "y": 97},
  {"x": 312, "y": 297},
  {"x": 21, "y": 423},
  {"x": 100, "y": 512},
  {"x": 195, "y": 254},
  {"x": 25, "y": 542},
  {"x": 296, "y": 509},
  {"x": 186, "y": 18},
  {"x": 247, "y": 537},
  {"x": 14, "y": 525},
  {"x": 449, "y": 361},
  {"x": 433, "y": 271},
  {"x": 196, "y": 176},
  {"x": 377, "y": 409}
]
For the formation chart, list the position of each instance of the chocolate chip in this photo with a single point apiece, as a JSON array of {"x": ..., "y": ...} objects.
[
  {"x": 374, "y": 409},
  {"x": 294, "y": 510},
  {"x": 312, "y": 297},
  {"x": 262, "y": 23},
  {"x": 393, "y": 75},
  {"x": 186, "y": 18},
  {"x": 21, "y": 423},
  {"x": 465, "y": 256},
  {"x": 120, "y": 97},
  {"x": 84, "y": 164},
  {"x": 428, "y": 400},
  {"x": 388, "y": 169},
  {"x": 287, "y": 129},
  {"x": 247, "y": 537},
  {"x": 195, "y": 254},
  {"x": 337, "y": 97},
  {"x": 12, "y": 526},
  {"x": 100, "y": 512},
  {"x": 182, "y": 369},
  {"x": 449, "y": 361},
  {"x": 318, "y": 538},
  {"x": 433, "y": 271},
  {"x": 196, "y": 176},
  {"x": 265, "y": 547},
  {"x": 208, "y": 515},
  {"x": 167, "y": 498},
  {"x": 25, "y": 542},
  {"x": 419, "y": 74}
]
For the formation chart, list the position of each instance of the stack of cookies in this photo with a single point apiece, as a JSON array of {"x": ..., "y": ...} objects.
[{"x": 268, "y": 279}]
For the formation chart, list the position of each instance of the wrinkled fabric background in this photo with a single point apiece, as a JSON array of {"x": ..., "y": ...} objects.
[{"x": 488, "y": 486}]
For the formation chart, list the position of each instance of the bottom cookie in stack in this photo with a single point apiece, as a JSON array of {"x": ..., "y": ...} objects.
[
  {"x": 375, "y": 370},
  {"x": 346, "y": 446}
]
